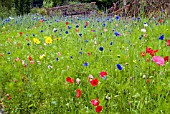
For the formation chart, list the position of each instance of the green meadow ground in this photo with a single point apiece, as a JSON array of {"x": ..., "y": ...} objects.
[{"x": 33, "y": 76}]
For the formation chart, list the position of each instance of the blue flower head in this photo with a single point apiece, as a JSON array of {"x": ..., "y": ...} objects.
[
  {"x": 161, "y": 37},
  {"x": 86, "y": 64},
  {"x": 101, "y": 48},
  {"x": 117, "y": 17},
  {"x": 56, "y": 59},
  {"x": 111, "y": 43},
  {"x": 80, "y": 34},
  {"x": 119, "y": 67},
  {"x": 41, "y": 31},
  {"x": 71, "y": 57},
  {"x": 80, "y": 52},
  {"x": 117, "y": 34},
  {"x": 104, "y": 24},
  {"x": 77, "y": 26},
  {"x": 9, "y": 53},
  {"x": 66, "y": 32},
  {"x": 86, "y": 41},
  {"x": 84, "y": 26},
  {"x": 69, "y": 27}
]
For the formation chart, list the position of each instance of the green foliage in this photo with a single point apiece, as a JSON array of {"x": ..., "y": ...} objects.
[{"x": 41, "y": 90}]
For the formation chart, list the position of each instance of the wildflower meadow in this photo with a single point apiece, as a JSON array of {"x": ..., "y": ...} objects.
[{"x": 79, "y": 65}]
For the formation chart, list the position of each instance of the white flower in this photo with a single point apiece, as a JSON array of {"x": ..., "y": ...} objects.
[{"x": 143, "y": 30}]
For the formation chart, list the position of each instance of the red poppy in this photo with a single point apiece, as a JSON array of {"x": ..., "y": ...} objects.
[
  {"x": 168, "y": 42},
  {"x": 160, "y": 21},
  {"x": 70, "y": 80},
  {"x": 87, "y": 23},
  {"x": 94, "y": 82},
  {"x": 99, "y": 109},
  {"x": 102, "y": 74},
  {"x": 20, "y": 33},
  {"x": 78, "y": 93},
  {"x": 95, "y": 102},
  {"x": 166, "y": 58},
  {"x": 142, "y": 54},
  {"x": 30, "y": 58},
  {"x": 150, "y": 51},
  {"x": 66, "y": 23},
  {"x": 41, "y": 20}
]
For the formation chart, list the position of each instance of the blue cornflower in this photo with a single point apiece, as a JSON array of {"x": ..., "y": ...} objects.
[
  {"x": 71, "y": 57},
  {"x": 111, "y": 43},
  {"x": 117, "y": 34},
  {"x": 80, "y": 34},
  {"x": 86, "y": 64},
  {"x": 117, "y": 17},
  {"x": 119, "y": 67},
  {"x": 33, "y": 34},
  {"x": 41, "y": 31},
  {"x": 104, "y": 24},
  {"x": 9, "y": 53},
  {"x": 101, "y": 48},
  {"x": 84, "y": 26},
  {"x": 138, "y": 18},
  {"x": 86, "y": 41},
  {"x": 80, "y": 52},
  {"x": 69, "y": 27},
  {"x": 77, "y": 26},
  {"x": 161, "y": 37},
  {"x": 56, "y": 59},
  {"x": 66, "y": 32}
]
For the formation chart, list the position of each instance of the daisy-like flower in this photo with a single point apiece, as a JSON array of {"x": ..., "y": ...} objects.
[
  {"x": 48, "y": 40},
  {"x": 36, "y": 41}
]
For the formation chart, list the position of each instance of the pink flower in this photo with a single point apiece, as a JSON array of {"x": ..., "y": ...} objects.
[
  {"x": 102, "y": 74},
  {"x": 31, "y": 62},
  {"x": 59, "y": 54},
  {"x": 95, "y": 102},
  {"x": 77, "y": 81},
  {"x": 158, "y": 60}
]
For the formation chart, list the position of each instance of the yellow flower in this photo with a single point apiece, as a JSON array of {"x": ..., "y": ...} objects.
[
  {"x": 36, "y": 41},
  {"x": 42, "y": 56},
  {"x": 48, "y": 40},
  {"x": 57, "y": 39},
  {"x": 134, "y": 61}
]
